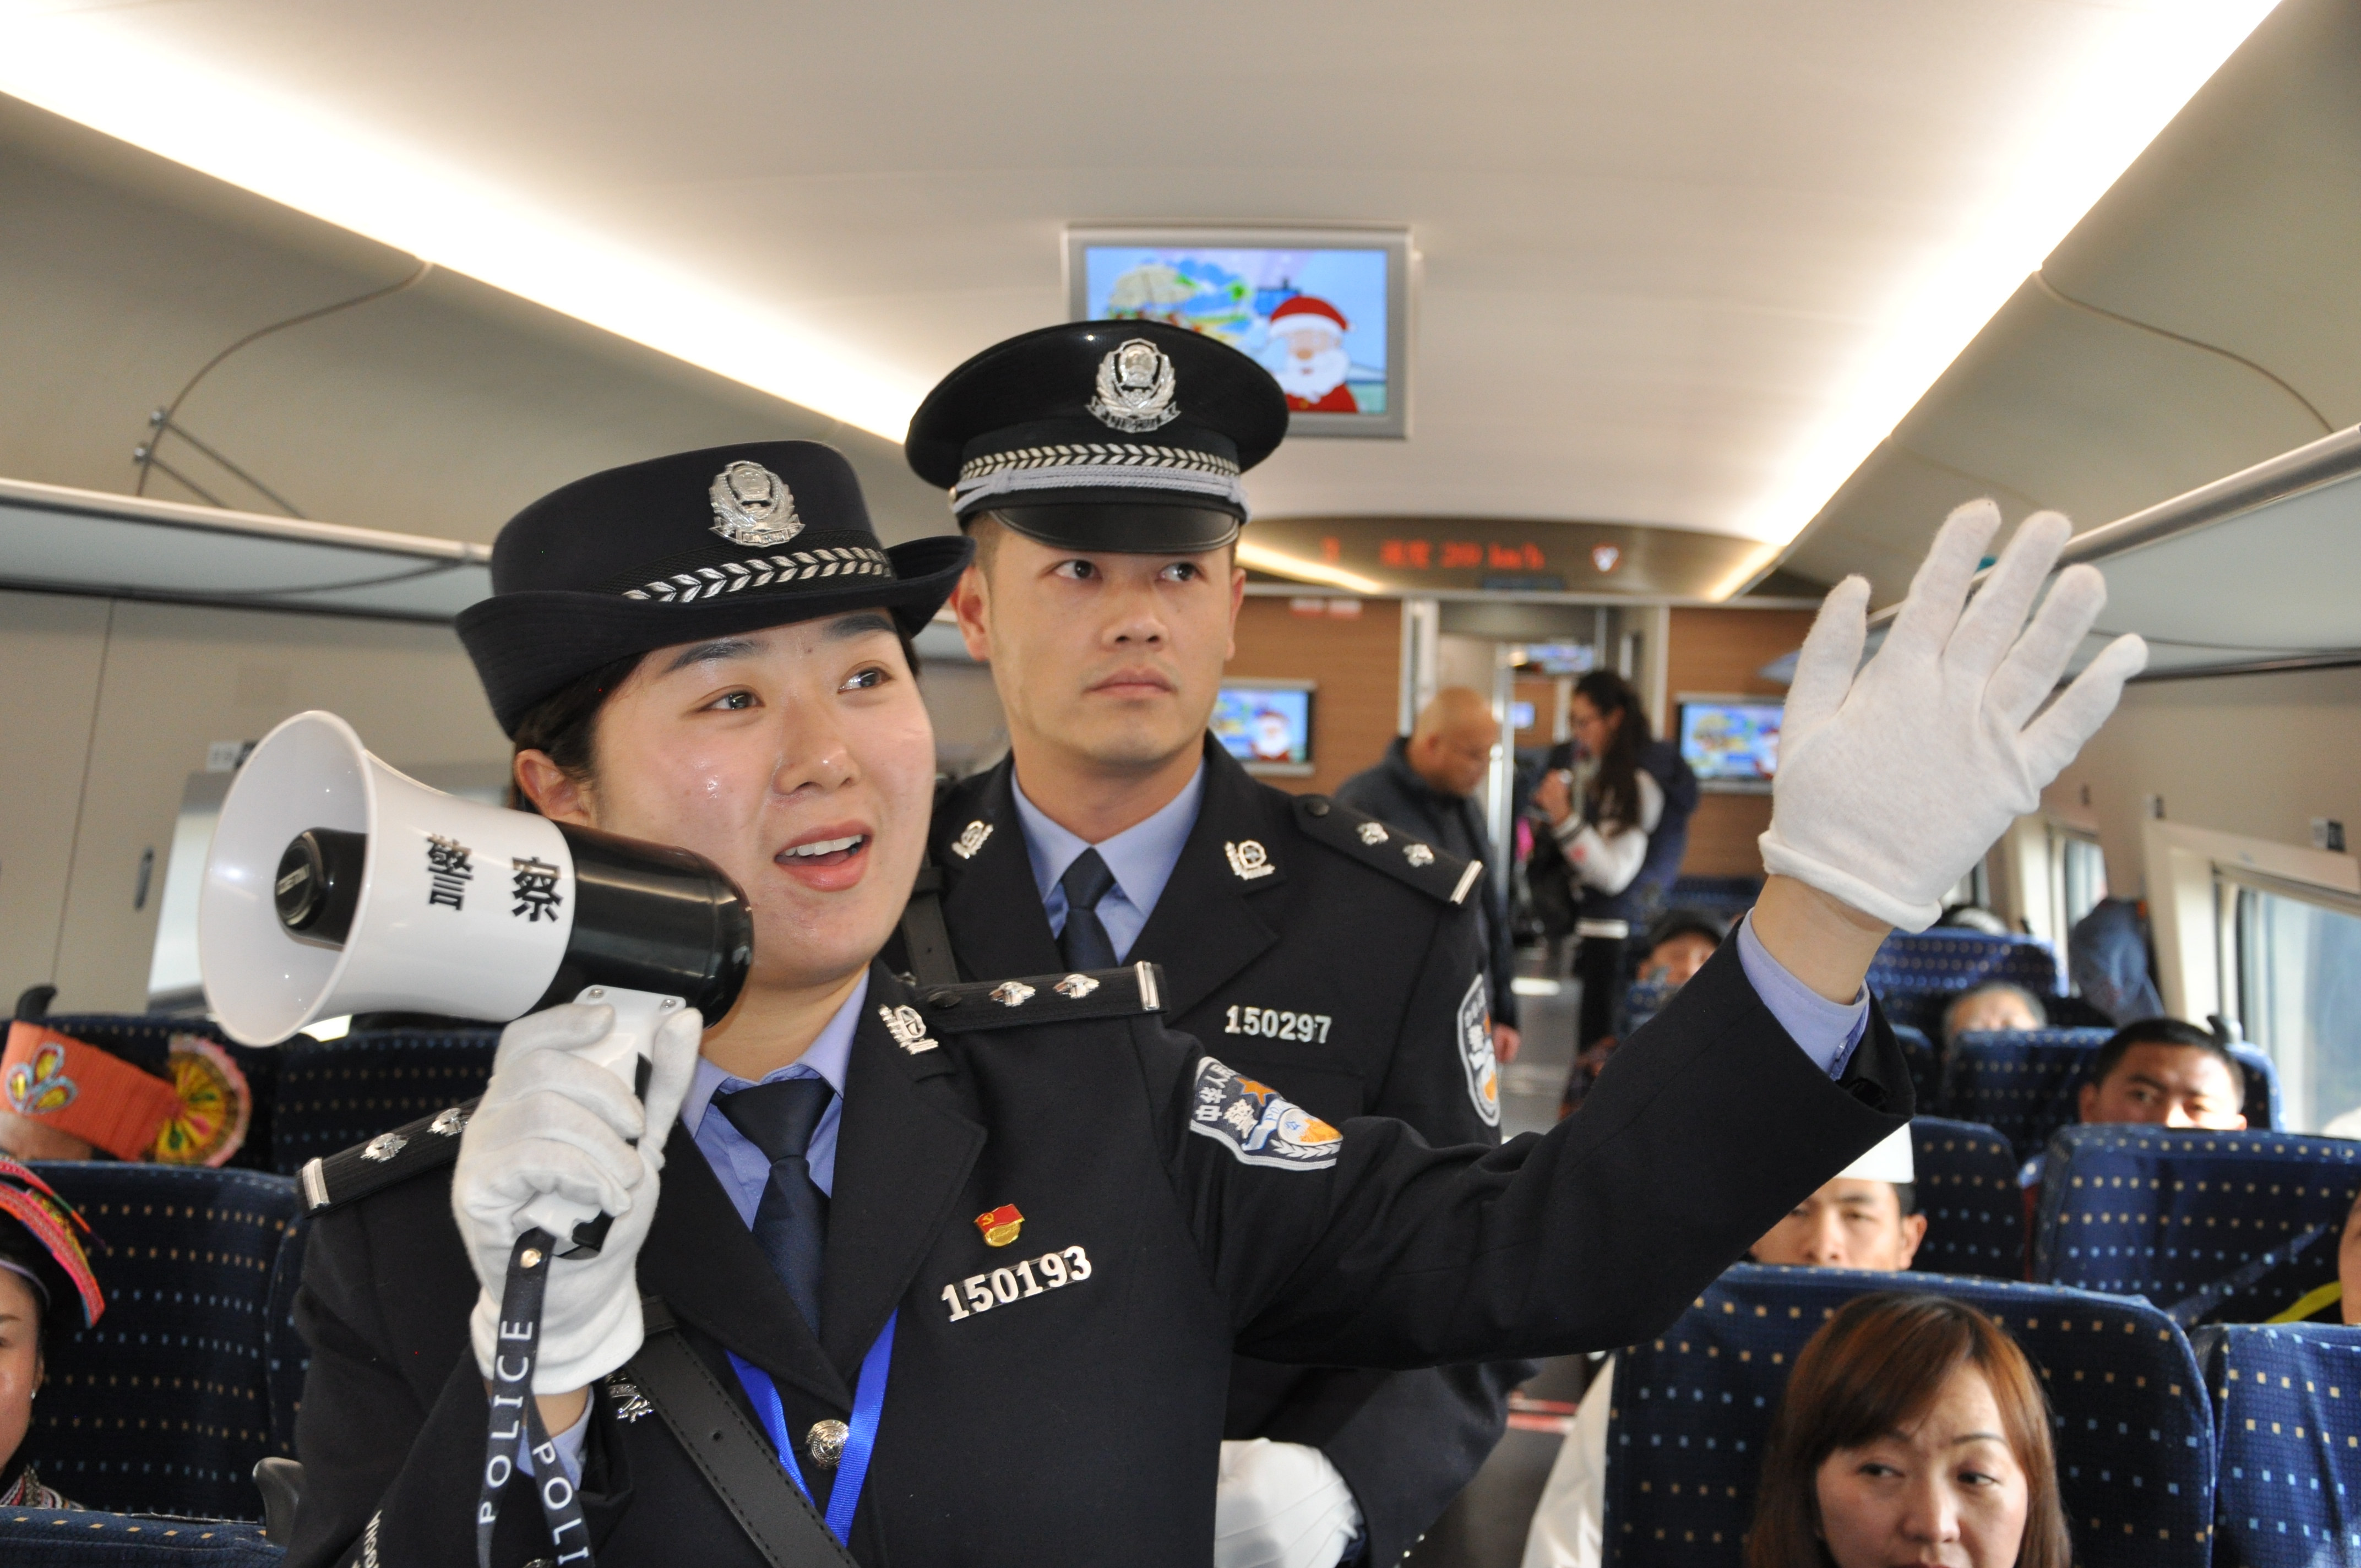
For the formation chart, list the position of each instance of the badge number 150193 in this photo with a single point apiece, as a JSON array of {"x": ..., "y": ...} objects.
[{"x": 980, "y": 1293}]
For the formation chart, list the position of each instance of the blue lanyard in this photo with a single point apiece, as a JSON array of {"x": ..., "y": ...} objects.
[{"x": 868, "y": 1404}]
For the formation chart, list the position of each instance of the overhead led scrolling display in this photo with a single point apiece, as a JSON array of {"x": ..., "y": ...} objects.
[{"x": 1324, "y": 311}]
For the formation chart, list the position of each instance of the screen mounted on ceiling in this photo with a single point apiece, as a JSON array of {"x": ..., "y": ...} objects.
[{"x": 1322, "y": 310}]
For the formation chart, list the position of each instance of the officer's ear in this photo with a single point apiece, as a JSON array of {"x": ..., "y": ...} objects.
[
  {"x": 972, "y": 603},
  {"x": 556, "y": 794},
  {"x": 1237, "y": 597}
]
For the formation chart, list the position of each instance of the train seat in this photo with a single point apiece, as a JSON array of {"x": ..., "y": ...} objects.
[
  {"x": 335, "y": 1094},
  {"x": 1918, "y": 1053},
  {"x": 1728, "y": 897},
  {"x": 164, "y": 1406},
  {"x": 1915, "y": 974},
  {"x": 2288, "y": 1405},
  {"x": 44, "y": 1538},
  {"x": 285, "y": 1356},
  {"x": 2214, "y": 1227},
  {"x": 1692, "y": 1409},
  {"x": 1967, "y": 1189},
  {"x": 2027, "y": 1082}
]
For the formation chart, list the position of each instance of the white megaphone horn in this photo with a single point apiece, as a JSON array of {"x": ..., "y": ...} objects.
[{"x": 336, "y": 884}]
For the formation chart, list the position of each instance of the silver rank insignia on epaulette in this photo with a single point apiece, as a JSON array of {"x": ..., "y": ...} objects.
[
  {"x": 385, "y": 1161},
  {"x": 1044, "y": 999},
  {"x": 907, "y": 1027},
  {"x": 971, "y": 839},
  {"x": 1372, "y": 832}
]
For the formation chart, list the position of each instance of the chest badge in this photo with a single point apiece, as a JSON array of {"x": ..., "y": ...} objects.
[
  {"x": 971, "y": 839},
  {"x": 1134, "y": 388},
  {"x": 1418, "y": 854},
  {"x": 908, "y": 1029},
  {"x": 1373, "y": 832},
  {"x": 753, "y": 506},
  {"x": 1248, "y": 859},
  {"x": 1012, "y": 993},
  {"x": 1001, "y": 1225}
]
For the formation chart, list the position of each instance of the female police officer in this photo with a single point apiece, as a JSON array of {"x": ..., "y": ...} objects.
[{"x": 975, "y": 1257}]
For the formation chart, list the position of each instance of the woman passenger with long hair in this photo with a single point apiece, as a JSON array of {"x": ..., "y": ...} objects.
[{"x": 1912, "y": 1430}]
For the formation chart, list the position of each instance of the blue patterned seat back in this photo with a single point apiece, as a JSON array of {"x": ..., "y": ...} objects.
[
  {"x": 164, "y": 1406},
  {"x": 1916, "y": 975},
  {"x": 1967, "y": 1189},
  {"x": 2262, "y": 1107},
  {"x": 2213, "y": 1227},
  {"x": 1691, "y": 1410},
  {"x": 1918, "y": 1053},
  {"x": 2022, "y": 1082},
  {"x": 2288, "y": 1408},
  {"x": 286, "y": 1358},
  {"x": 1642, "y": 1000},
  {"x": 146, "y": 1039},
  {"x": 42, "y": 1538},
  {"x": 336, "y": 1093},
  {"x": 1726, "y": 896}
]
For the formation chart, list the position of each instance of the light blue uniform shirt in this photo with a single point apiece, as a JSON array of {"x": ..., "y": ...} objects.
[
  {"x": 1141, "y": 857},
  {"x": 1827, "y": 1030}
]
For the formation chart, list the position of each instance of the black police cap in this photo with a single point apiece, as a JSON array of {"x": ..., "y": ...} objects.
[
  {"x": 1101, "y": 435},
  {"x": 698, "y": 544}
]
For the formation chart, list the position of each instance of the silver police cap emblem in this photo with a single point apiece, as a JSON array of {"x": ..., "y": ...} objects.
[
  {"x": 1135, "y": 388},
  {"x": 753, "y": 506}
]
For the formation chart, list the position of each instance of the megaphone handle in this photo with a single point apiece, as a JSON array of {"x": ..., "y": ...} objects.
[{"x": 626, "y": 1052}]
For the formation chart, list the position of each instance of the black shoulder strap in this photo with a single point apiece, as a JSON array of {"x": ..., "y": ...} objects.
[
  {"x": 427, "y": 1144},
  {"x": 728, "y": 1449},
  {"x": 926, "y": 940}
]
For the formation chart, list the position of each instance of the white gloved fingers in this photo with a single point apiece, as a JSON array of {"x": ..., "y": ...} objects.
[
  {"x": 553, "y": 1075},
  {"x": 1825, "y": 669},
  {"x": 543, "y": 1123},
  {"x": 568, "y": 1026},
  {"x": 530, "y": 1168},
  {"x": 1932, "y": 607},
  {"x": 2038, "y": 663},
  {"x": 2053, "y": 739},
  {"x": 672, "y": 1069},
  {"x": 1997, "y": 613}
]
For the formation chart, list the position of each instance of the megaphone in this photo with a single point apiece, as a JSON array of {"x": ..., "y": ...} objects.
[{"x": 336, "y": 884}]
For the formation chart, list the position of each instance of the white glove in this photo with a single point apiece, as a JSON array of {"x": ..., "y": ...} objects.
[
  {"x": 550, "y": 1143},
  {"x": 1893, "y": 784},
  {"x": 1281, "y": 1504}
]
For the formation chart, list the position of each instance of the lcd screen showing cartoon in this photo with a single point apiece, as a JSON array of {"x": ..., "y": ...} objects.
[
  {"x": 1266, "y": 726},
  {"x": 1320, "y": 311},
  {"x": 1730, "y": 743}
]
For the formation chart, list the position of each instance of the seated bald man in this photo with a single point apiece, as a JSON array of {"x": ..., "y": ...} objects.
[
  {"x": 1865, "y": 1217},
  {"x": 1427, "y": 785}
]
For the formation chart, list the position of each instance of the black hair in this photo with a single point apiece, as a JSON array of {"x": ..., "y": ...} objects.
[
  {"x": 1614, "y": 790},
  {"x": 1907, "y": 1194},
  {"x": 59, "y": 1302},
  {"x": 1674, "y": 923},
  {"x": 2167, "y": 1032},
  {"x": 564, "y": 726}
]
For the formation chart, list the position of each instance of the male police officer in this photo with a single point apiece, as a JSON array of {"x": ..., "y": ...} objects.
[{"x": 1335, "y": 957}]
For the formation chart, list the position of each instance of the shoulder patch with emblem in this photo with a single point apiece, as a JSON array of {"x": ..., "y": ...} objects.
[
  {"x": 1402, "y": 856},
  {"x": 1475, "y": 1043},
  {"x": 1042, "y": 999},
  {"x": 1256, "y": 1124},
  {"x": 387, "y": 1160}
]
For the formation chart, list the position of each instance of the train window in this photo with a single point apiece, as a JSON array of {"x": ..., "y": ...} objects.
[
  {"x": 2299, "y": 980},
  {"x": 2078, "y": 874}
]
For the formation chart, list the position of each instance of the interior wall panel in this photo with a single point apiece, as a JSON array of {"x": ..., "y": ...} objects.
[
  {"x": 1358, "y": 662},
  {"x": 1718, "y": 652},
  {"x": 51, "y": 650}
]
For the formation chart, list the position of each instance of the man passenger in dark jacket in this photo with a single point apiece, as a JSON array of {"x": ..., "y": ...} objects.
[{"x": 1427, "y": 785}]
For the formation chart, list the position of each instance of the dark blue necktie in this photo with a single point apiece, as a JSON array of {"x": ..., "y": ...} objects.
[
  {"x": 1084, "y": 943},
  {"x": 791, "y": 1221}
]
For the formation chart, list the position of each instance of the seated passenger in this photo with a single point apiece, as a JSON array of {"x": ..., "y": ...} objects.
[
  {"x": 2159, "y": 1073},
  {"x": 1678, "y": 945},
  {"x": 1994, "y": 1006},
  {"x": 1865, "y": 1218},
  {"x": 45, "y": 1281},
  {"x": 1913, "y": 1430}
]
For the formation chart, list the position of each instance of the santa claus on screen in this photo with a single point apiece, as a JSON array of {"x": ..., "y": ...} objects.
[{"x": 1307, "y": 354}]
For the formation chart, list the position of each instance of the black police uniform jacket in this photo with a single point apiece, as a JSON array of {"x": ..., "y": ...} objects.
[
  {"x": 1193, "y": 1214},
  {"x": 1342, "y": 962}
]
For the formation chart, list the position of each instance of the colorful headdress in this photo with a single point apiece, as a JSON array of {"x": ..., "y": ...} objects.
[
  {"x": 57, "y": 1226},
  {"x": 195, "y": 1115}
]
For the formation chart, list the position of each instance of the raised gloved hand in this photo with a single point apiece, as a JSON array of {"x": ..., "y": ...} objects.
[
  {"x": 1893, "y": 782},
  {"x": 551, "y": 1142},
  {"x": 1281, "y": 1504}
]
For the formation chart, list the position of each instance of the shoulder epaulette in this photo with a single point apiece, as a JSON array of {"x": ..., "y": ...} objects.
[
  {"x": 1043, "y": 999},
  {"x": 386, "y": 1160},
  {"x": 1382, "y": 847}
]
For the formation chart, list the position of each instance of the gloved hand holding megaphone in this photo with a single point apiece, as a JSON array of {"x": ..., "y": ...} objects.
[{"x": 336, "y": 884}]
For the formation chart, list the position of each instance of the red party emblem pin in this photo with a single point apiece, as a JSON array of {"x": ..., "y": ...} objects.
[{"x": 1000, "y": 1226}]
